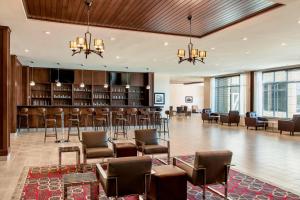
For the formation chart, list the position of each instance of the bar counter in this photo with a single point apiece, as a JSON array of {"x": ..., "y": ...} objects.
[{"x": 35, "y": 120}]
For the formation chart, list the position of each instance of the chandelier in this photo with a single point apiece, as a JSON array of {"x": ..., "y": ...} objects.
[
  {"x": 193, "y": 54},
  {"x": 83, "y": 44}
]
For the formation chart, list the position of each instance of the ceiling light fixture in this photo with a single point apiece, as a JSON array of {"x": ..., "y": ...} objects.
[
  {"x": 193, "y": 54},
  {"x": 283, "y": 44},
  {"x": 58, "y": 83},
  {"x": 105, "y": 81},
  {"x": 118, "y": 57},
  {"x": 32, "y": 83},
  {"x": 166, "y": 43},
  {"x": 82, "y": 83},
  {"x": 213, "y": 48},
  {"x": 127, "y": 85},
  {"x": 84, "y": 44},
  {"x": 245, "y": 38},
  {"x": 112, "y": 38},
  {"x": 47, "y": 32},
  {"x": 26, "y": 50}
]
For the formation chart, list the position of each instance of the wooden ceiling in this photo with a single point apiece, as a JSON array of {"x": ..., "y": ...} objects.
[{"x": 157, "y": 16}]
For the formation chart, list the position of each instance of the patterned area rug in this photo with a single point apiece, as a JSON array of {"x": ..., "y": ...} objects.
[{"x": 46, "y": 183}]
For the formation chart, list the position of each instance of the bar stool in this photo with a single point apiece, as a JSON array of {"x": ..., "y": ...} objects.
[
  {"x": 157, "y": 117},
  {"x": 164, "y": 126},
  {"x": 90, "y": 115},
  {"x": 121, "y": 123},
  {"x": 101, "y": 120},
  {"x": 144, "y": 119},
  {"x": 41, "y": 116},
  {"x": 132, "y": 116},
  {"x": 74, "y": 120},
  {"x": 58, "y": 114},
  {"x": 105, "y": 113},
  {"x": 50, "y": 120},
  {"x": 23, "y": 114}
]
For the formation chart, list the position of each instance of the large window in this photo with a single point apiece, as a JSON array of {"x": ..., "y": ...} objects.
[
  {"x": 227, "y": 94},
  {"x": 281, "y": 93}
]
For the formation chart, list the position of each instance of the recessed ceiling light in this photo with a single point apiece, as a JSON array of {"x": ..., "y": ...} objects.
[
  {"x": 245, "y": 38},
  {"x": 217, "y": 64},
  {"x": 247, "y": 52},
  {"x": 166, "y": 43},
  {"x": 213, "y": 48},
  {"x": 154, "y": 59},
  {"x": 283, "y": 44},
  {"x": 112, "y": 38},
  {"x": 117, "y": 57},
  {"x": 47, "y": 32},
  {"x": 299, "y": 21},
  {"x": 26, "y": 50}
]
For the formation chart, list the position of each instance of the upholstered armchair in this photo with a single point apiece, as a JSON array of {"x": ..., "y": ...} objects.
[
  {"x": 210, "y": 167},
  {"x": 251, "y": 120},
  {"x": 125, "y": 176},
  {"x": 207, "y": 115},
  {"x": 195, "y": 109},
  {"x": 233, "y": 117},
  {"x": 95, "y": 145},
  {"x": 290, "y": 125},
  {"x": 147, "y": 143}
]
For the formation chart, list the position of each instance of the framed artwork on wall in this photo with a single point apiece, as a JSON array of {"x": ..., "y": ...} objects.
[
  {"x": 188, "y": 99},
  {"x": 159, "y": 98}
]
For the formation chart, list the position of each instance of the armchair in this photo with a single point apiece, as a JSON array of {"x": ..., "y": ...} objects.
[
  {"x": 251, "y": 120},
  {"x": 147, "y": 143},
  {"x": 206, "y": 114},
  {"x": 233, "y": 117},
  {"x": 95, "y": 145},
  {"x": 209, "y": 167},
  {"x": 126, "y": 176},
  {"x": 290, "y": 125}
]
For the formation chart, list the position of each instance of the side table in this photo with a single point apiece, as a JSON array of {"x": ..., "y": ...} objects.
[
  {"x": 75, "y": 149},
  {"x": 124, "y": 149},
  {"x": 76, "y": 179}
]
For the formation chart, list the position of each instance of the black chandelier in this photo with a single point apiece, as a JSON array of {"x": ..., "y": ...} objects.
[
  {"x": 83, "y": 45},
  {"x": 193, "y": 54}
]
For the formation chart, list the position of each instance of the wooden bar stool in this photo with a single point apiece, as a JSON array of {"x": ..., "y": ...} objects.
[
  {"x": 58, "y": 114},
  {"x": 105, "y": 113},
  {"x": 90, "y": 115},
  {"x": 41, "y": 117},
  {"x": 23, "y": 114},
  {"x": 132, "y": 116},
  {"x": 101, "y": 121},
  {"x": 164, "y": 126},
  {"x": 144, "y": 119},
  {"x": 74, "y": 120},
  {"x": 50, "y": 120},
  {"x": 121, "y": 127}
]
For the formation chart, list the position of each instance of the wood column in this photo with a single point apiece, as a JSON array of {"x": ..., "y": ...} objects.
[{"x": 5, "y": 86}]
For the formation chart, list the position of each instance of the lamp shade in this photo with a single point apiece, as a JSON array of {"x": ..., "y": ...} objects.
[
  {"x": 194, "y": 53},
  {"x": 202, "y": 54},
  {"x": 127, "y": 86},
  {"x": 32, "y": 83},
  {"x": 73, "y": 45},
  {"x": 105, "y": 85},
  {"x": 80, "y": 42},
  {"x": 82, "y": 85},
  {"x": 181, "y": 53},
  {"x": 58, "y": 84},
  {"x": 148, "y": 87}
]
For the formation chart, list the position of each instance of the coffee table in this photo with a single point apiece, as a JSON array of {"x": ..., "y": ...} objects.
[
  {"x": 75, "y": 149},
  {"x": 76, "y": 179},
  {"x": 124, "y": 149}
]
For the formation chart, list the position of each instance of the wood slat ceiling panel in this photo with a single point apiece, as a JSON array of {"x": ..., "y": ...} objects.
[{"x": 158, "y": 16}]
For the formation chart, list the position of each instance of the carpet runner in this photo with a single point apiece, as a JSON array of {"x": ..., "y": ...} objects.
[{"x": 45, "y": 183}]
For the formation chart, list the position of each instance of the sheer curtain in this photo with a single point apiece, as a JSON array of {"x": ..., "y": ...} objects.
[
  {"x": 243, "y": 93},
  {"x": 212, "y": 94},
  {"x": 258, "y": 93}
]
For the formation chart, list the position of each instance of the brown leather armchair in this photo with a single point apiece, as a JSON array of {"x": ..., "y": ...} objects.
[
  {"x": 126, "y": 176},
  {"x": 233, "y": 117},
  {"x": 290, "y": 125},
  {"x": 95, "y": 145},
  {"x": 147, "y": 143},
  {"x": 206, "y": 114},
  {"x": 210, "y": 167},
  {"x": 251, "y": 120}
]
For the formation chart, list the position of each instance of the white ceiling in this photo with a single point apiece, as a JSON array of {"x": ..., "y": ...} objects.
[{"x": 139, "y": 50}]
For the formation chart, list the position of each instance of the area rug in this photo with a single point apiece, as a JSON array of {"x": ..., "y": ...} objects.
[{"x": 46, "y": 183}]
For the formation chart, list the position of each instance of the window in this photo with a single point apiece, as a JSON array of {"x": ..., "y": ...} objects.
[
  {"x": 227, "y": 94},
  {"x": 281, "y": 93}
]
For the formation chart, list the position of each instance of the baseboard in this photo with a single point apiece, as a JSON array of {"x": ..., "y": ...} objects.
[{"x": 5, "y": 158}]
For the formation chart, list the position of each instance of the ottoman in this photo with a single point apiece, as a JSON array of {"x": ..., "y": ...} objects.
[
  {"x": 125, "y": 149},
  {"x": 168, "y": 182}
]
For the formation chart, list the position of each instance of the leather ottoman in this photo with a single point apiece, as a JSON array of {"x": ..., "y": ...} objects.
[
  {"x": 168, "y": 182},
  {"x": 125, "y": 149}
]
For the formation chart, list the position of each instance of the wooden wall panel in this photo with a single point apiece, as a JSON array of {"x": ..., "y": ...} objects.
[
  {"x": 99, "y": 77},
  {"x": 5, "y": 83},
  {"x": 87, "y": 76},
  {"x": 25, "y": 86},
  {"x": 137, "y": 79},
  {"x": 40, "y": 75}
]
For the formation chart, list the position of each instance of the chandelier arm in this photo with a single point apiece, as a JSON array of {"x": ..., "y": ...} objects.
[
  {"x": 99, "y": 53},
  {"x": 201, "y": 60}
]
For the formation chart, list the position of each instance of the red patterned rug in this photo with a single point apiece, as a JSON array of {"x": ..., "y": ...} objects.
[{"x": 45, "y": 183}]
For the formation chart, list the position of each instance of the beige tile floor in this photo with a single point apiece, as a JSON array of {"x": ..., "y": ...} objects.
[{"x": 269, "y": 156}]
